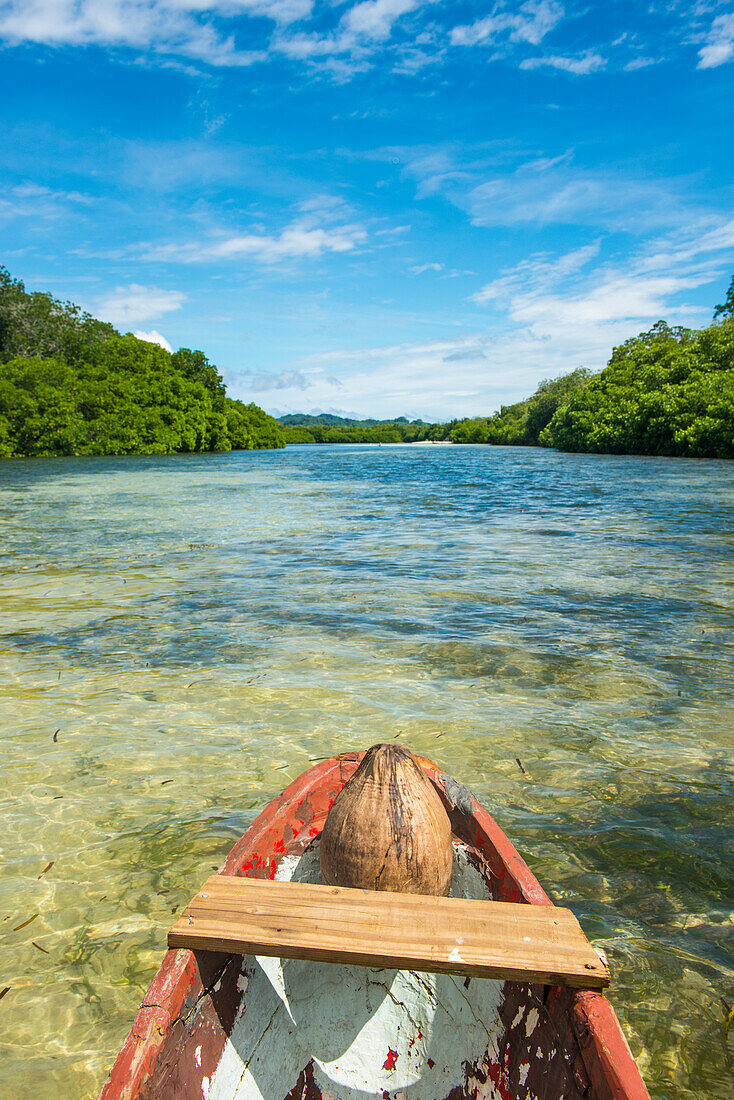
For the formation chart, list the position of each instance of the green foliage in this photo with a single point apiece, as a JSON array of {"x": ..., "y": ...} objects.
[
  {"x": 669, "y": 391},
  {"x": 327, "y": 428},
  {"x": 726, "y": 309},
  {"x": 468, "y": 431},
  {"x": 297, "y": 434},
  {"x": 520, "y": 424},
  {"x": 71, "y": 385},
  {"x": 196, "y": 366},
  {"x": 39, "y": 325},
  {"x": 263, "y": 430},
  {"x": 666, "y": 392},
  {"x": 319, "y": 420}
]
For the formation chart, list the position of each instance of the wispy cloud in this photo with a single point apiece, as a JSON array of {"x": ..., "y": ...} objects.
[
  {"x": 297, "y": 241},
  {"x": 530, "y": 23},
  {"x": 399, "y": 379},
  {"x": 437, "y": 170},
  {"x": 640, "y": 63},
  {"x": 203, "y": 30},
  {"x": 589, "y": 62},
  {"x": 361, "y": 29},
  {"x": 320, "y": 227},
  {"x": 655, "y": 272},
  {"x": 167, "y": 26},
  {"x": 265, "y": 382},
  {"x": 341, "y": 39},
  {"x": 572, "y": 301},
  {"x": 177, "y": 27},
  {"x": 614, "y": 296},
  {"x": 37, "y": 191},
  {"x": 136, "y": 304},
  {"x": 32, "y": 200},
  {"x": 720, "y": 45},
  {"x": 541, "y": 271},
  {"x": 553, "y": 190}
]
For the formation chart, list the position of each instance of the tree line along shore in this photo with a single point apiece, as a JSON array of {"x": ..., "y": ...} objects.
[{"x": 73, "y": 385}]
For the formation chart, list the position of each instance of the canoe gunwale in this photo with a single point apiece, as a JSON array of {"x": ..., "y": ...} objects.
[{"x": 609, "y": 1069}]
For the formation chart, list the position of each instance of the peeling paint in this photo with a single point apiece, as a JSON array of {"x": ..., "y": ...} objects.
[
  {"x": 318, "y": 1032},
  {"x": 337, "y": 1017},
  {"x": 532, "y": 1021}
]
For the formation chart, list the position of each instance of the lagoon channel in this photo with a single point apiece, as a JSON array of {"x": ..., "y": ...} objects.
[{"x": 181, "y": 636}]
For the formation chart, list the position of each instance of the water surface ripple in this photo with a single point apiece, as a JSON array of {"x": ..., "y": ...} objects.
[{"x": 181, "y": 636}]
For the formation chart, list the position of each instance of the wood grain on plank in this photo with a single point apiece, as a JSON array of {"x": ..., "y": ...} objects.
[{"x": 482, "y": 939}]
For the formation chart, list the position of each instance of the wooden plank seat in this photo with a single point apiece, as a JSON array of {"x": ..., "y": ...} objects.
[{"x": 482, "y": 939}]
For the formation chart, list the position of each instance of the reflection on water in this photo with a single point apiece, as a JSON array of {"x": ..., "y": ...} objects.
[{"x": 181, "y": 636}]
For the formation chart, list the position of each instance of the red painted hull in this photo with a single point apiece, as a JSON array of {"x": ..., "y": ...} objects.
[{"x": 575, "y": 1050}]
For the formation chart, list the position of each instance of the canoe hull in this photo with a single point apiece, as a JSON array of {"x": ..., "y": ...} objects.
[{"x": 220, "y": 1027}]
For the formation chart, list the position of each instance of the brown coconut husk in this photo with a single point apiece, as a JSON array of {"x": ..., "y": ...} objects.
[{"x": 387, "y": 828}]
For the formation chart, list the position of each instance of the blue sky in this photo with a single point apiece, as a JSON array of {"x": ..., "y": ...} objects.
[{"x": 388, "y": 207}]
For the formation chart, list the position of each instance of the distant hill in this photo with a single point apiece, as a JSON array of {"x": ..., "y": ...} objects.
[
  {"x": 327, "y": 428},
  {"x": 329, "y": 420}
]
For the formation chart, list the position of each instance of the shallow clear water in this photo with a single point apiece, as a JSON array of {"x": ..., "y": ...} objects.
[{"x": 199, "y": 629}]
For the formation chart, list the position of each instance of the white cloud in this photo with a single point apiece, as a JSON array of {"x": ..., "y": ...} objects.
[
  {"x": 641, "y": 63},
  {"x": 720, "y": 46},
  {"x": 549, "y": 290},
  {"x": 530, "y": 24},
  {"x": 169, "y": 26},
  {"x": 541, "y": 270},
  {"x": 31, "y": 200},
  {"x": 177, "y": 164},
  {"x": 396, "y": 380},
  {"x": 470, "y": 375},
  {"x": 134, "y": 304},
  {"x": 436, "y": 172},
  {"x": 581, "y": 312},
  {"x": 302, "y": 239},
  {"x": 711, "y": 238},
  {"x": 419, "y": 269},
  {"x": 360, "y": 29},
  {"x": 373, "y": 19},
  {"x": 153, "y": 337},
  {"x": 616, "y": 297},
  {"x": 589, "y": 62},
  {"x": 36, "y": 191},
  {"x": 342, "y": 38},
  {"x": 264, "y": 382}
]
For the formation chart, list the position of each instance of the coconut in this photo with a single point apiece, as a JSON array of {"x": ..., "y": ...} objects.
[{"x": 387, "y": 828}]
